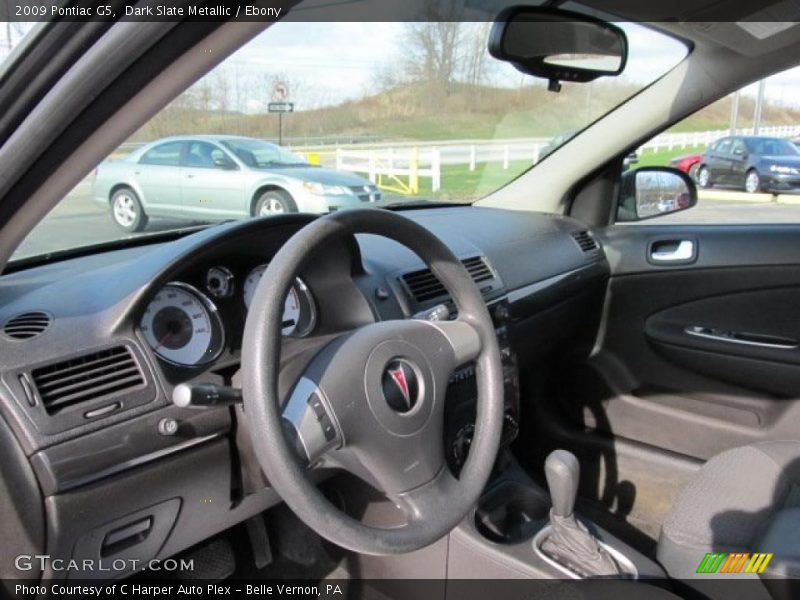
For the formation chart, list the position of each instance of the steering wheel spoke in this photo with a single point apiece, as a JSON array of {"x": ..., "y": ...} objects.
[
  {"x": 310, "y": 422},
  {"x": 463, "y": 339},
  {"x": 426, "y": 501}
]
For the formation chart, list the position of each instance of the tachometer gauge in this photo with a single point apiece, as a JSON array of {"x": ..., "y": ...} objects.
[
  {"x": 182, "y": 326},
  {"x": 299, "y": 312}
]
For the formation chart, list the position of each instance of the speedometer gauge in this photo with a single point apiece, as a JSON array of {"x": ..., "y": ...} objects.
[
  {"x": 299, "y": 313},
  {"x": 182, "y": 326}
]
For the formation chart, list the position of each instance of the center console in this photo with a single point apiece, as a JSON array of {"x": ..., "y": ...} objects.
[
  {"x": 525, "y": 528},
  {"x": 462, "y": 396},
  {"x": 519, "y": 529}
]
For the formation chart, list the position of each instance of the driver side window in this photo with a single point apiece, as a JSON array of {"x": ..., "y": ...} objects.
[
  {"x": 724, "y": 147},
  {"x": 203, "y": 155}
]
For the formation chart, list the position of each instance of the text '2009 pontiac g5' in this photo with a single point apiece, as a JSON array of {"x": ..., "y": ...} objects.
[{"x": 326, "y": 300}]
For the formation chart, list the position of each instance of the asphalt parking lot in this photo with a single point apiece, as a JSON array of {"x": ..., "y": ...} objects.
[{"x": 78, "y": 221}]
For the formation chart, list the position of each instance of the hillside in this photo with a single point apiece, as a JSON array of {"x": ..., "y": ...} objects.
[{"x": 413, "y": 112}]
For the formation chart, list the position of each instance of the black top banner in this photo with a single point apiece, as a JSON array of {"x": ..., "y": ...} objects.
[
  {"x": 147, "y": 11},
  {"x": 699, "y": 12}
]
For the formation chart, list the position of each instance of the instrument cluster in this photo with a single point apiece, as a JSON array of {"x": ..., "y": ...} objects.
[{"x": 182, "y": 324}]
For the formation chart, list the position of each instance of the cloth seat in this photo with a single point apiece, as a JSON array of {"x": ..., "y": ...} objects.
[{"x": 742, "y": 500}]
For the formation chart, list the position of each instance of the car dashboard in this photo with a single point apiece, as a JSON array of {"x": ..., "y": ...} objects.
[{"x": 92, "y": 348}]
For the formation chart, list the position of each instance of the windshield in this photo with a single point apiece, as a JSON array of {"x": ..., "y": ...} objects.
[
  {"x": 771, "y": 147},
  {"x": 387, "y": 113},
  {"x": 257, "y": 153}
]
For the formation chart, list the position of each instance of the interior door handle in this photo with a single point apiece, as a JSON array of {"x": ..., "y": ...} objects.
[
  {"x": 738, "y": 337},
  {"x": 671, "y": 251}
]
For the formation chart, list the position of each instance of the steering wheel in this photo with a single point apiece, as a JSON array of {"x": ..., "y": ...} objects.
[{"x": 372, "y": 400}]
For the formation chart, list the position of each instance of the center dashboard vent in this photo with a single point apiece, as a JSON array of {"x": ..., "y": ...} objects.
[
  {"x": 26, "y": 325},
  {"x": 88, "y": 377},
  {"x": 423, "y": 285},
  {"x": 585, "y": 241}
]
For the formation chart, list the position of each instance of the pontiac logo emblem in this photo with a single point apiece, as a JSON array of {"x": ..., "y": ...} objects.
[{"x": 400, "y": 386}]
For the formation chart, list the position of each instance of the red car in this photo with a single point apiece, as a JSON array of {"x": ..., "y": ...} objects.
[{"x": 686, "y": 163}]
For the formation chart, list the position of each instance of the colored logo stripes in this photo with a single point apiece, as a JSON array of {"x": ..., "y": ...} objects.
[{"x": 735, "y": 562}]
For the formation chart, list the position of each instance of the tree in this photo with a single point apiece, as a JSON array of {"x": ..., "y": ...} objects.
[
  {"x": 432, "y": 46},
  {"x": 433, "y": 53},
  {"x": 474, "y": 53}
]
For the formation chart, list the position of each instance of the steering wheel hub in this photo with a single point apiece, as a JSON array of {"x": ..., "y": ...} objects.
[
  {"x": 401, "y": 385},
  {"x": 400, "y": 392}
]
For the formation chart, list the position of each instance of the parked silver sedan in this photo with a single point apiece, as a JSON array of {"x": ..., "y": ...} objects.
[{"x": 218, "y": 177}]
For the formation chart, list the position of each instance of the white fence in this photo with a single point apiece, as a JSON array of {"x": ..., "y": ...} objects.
[
  {"x": 669, "y": 141},
  {"x": 401, "y": 166},
  {"x": 394, "y": 168}
]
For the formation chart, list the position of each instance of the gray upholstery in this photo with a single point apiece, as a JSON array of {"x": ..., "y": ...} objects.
[{"x": 731, "y": 504}]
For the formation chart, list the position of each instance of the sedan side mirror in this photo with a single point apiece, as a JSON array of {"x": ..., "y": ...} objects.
[
  {"x": 222, "y": 163},
  {"x": 654, "y": 191},
  {"x": 558, "y": 45}
]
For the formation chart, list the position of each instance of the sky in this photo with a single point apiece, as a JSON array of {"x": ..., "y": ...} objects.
[
  {"x": 334, "y": 62},
  {"x": 343, "y": 58}
]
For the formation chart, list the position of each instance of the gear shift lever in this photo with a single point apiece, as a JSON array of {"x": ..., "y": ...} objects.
[
  {"x": 569, "y": 542},
  {"x": 562, "y": 472}
]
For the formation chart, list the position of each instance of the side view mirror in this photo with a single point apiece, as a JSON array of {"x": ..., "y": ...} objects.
[
  {"x": 222, "y": 163},
  {"x": 650, "y": 192},
  {"x": 558, "y": 45}
]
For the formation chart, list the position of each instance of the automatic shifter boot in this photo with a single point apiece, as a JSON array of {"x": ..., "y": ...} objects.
[{"x": 569, "y": 542}]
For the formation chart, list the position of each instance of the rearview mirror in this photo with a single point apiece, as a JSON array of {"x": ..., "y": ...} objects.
[
  {"x": 655, "y": 191},
  {"x": 558, "y": 45}
]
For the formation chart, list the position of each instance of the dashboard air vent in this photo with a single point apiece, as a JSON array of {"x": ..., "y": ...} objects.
[
  {"x": 88, "y": 377},
  {"x": 585, "y": 241},
  {"x": 26, "y": 325},
  {"x": 423, "y": 285}
]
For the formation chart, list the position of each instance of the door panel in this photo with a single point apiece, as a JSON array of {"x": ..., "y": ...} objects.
[
  {"x": 695, "y": 358},
  {"x": 739, "y": 334},
  {"x": 720, "y": 163},
  {"x": 738, "y": 163},
  {"x": 158, "y": 175},
  {"x": 212, "y": 185},
  {"x": 213, "y": 192},
  {"x": 160, "y": 186}
]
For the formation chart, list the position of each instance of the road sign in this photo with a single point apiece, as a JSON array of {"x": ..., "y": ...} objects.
[
  {"x": 280, "y": 107},
  {"x": 280, "y": 91}
]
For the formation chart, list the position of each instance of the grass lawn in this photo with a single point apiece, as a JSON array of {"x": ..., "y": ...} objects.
[
  {"x": 461, "y": 184},
  {"x": 648, "y": 158}
]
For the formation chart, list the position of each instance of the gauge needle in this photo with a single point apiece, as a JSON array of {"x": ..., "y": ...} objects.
[{"x": 163, "y": 340}]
